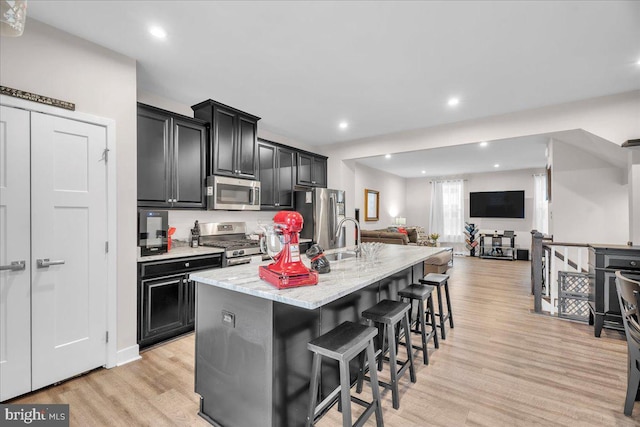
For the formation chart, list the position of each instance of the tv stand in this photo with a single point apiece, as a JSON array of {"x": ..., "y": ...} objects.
[{"x": 502, "y": 247}]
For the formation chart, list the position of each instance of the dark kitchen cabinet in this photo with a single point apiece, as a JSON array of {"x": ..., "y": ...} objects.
[
  {"x": 233, "y": 140},
  {"x": 312, "y": 170},
  {"x": 166, "y": 297},
  {"x": 276, "y": 171},
  {"x": 171, "y": 159}
]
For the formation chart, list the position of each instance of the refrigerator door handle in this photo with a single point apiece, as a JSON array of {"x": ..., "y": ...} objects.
[{"x": 332, "y": 221}]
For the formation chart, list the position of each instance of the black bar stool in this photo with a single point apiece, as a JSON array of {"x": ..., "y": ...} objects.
[
  {"x": 389, "y": 314},
  {"x": 343, "y": 343},
  {"x": 422, "y": 293},
  {"x": 439, "y": 281}
]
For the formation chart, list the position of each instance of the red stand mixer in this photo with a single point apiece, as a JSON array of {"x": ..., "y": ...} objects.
[{"x": 287, "y": 271}]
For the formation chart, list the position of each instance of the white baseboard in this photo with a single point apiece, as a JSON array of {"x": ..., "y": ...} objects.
[{"x": 129, "y": 354}]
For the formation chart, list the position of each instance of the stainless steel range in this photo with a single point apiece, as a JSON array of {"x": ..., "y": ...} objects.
[{"x": 231, "y": 236}]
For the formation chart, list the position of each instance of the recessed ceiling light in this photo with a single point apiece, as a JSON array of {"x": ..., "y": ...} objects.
[
  {"x": 638, "y": 63},
  {"x": 484, "y": 144},
  {"x": 424, "y": 171},
  {"x": 453, "y": 102},
  {"x": 496, "y": 165},
  {"x": 387, "y": 156},
  {"x": 158, "y": 32},
  {"x": 343, "y": 125}
]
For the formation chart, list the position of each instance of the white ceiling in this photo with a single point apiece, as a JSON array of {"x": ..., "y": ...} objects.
[
  {"x": 510, "y": 154},
  {"x": 382, "y": 66}
]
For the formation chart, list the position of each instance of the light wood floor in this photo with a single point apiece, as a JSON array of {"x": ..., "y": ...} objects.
[{"x": 500, "y": 366}]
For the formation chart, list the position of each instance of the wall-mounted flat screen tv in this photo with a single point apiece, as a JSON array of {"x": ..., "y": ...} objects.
[{"x": 496, "y": 204}]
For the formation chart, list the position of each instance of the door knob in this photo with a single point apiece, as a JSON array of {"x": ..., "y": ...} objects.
[{"x": 14, "y": 266}]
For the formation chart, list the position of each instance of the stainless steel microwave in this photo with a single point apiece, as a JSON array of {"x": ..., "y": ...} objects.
[{"x": 232, "y": 194}]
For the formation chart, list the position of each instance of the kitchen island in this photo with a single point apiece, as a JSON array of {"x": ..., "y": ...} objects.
[{"x": 252, "y": 362}]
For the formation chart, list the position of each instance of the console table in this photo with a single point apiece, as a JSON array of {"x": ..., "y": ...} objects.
[{"x": 498, "y": 249}]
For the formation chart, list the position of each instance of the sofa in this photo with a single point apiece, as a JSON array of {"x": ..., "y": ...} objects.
[
  {"x": 384, "y": 236},
  {"x": 414, "y": 236}
]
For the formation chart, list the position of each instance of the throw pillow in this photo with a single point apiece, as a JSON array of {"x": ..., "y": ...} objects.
[
  {"x": 413, "y": 235},
  {"x": 402, "y": 230}
]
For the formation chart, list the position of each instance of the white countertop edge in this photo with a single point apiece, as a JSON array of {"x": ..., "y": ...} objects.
[{"x": 277, "y": 295}]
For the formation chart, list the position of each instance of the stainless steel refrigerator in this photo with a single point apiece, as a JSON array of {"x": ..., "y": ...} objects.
[{"x": 322, "y": 210}]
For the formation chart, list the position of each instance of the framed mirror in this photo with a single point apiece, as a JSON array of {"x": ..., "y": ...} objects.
[{"x": 371, "y": 205}]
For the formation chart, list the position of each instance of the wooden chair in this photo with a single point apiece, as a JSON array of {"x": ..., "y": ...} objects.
[{"x": 629, "y": 297}]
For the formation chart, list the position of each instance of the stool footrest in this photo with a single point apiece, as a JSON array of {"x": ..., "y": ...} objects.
[{"x": 367, "y": 412}]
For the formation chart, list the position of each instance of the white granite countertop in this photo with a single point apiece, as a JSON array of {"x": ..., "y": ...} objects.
[
  {"x": 180, "y": 252},
  {"x": 346, "y": 276}
]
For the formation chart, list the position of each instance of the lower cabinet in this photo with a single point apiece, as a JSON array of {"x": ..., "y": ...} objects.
[{"x": 166, "y": 297}]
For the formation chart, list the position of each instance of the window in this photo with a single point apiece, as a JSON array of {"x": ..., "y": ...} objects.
[
  {"x": 540, "y": 204},
  {"x": 447, "y": 210}
]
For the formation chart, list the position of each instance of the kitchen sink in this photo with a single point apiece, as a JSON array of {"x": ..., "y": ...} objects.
[{"x": 340, "y": 256}]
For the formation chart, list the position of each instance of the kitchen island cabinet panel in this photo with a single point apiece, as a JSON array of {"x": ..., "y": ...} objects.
[{"x": 233, "y": 357}]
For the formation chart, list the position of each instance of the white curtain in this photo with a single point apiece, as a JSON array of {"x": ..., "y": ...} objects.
[
  {"x": 540, "y": 204},
  {"x": 447, "y": 210}
]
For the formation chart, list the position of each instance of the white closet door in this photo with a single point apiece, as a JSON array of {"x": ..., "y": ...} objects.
[
  {"x": 15, "y": 244},
  {"x": 69, "y": 228}
]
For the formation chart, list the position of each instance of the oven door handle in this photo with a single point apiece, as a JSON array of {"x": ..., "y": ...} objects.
[{"x": 238, "y": 261}]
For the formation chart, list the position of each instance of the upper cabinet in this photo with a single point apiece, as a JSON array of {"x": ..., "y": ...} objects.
[
  {"x": 233, "y": 140},
  {"x": 171, "y": 159},
  {"x": 312, "y": 170},
  {"x": 276, "y": 171}
]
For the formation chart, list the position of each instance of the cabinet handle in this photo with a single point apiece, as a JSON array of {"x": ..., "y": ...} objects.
[
  {"x": 633, "y": 263},
  {"x": 14, "y": 266}
]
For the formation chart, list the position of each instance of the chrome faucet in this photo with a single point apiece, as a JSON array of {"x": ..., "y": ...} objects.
[{"x": 342, "y": 221}]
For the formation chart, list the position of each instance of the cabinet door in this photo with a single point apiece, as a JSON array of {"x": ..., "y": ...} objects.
[
  {"x": 304, "y": 169},
  {"x": 189, "y": 143},
  {"x": 319, "y": 172},
  {"x": 267, "y": 174},
  {"x": 154, "y": 154},
  {"x": 224, "y": 134},
  {"x": 246, "y": 148},
  {"x": 285, "y": 177},
  {"x": 162, "y": 308}
]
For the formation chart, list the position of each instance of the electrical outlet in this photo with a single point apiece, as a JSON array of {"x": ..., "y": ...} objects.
[{"x": 228, "y": 319}]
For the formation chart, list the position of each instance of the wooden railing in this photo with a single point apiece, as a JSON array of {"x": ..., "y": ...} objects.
[{"x": 547, "y": 259}]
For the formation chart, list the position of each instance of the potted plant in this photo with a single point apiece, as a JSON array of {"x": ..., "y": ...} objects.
[{"x": 433, "y": 239}]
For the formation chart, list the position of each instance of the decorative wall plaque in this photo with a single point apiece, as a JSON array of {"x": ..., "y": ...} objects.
[{"x": 37, "y": 98}]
